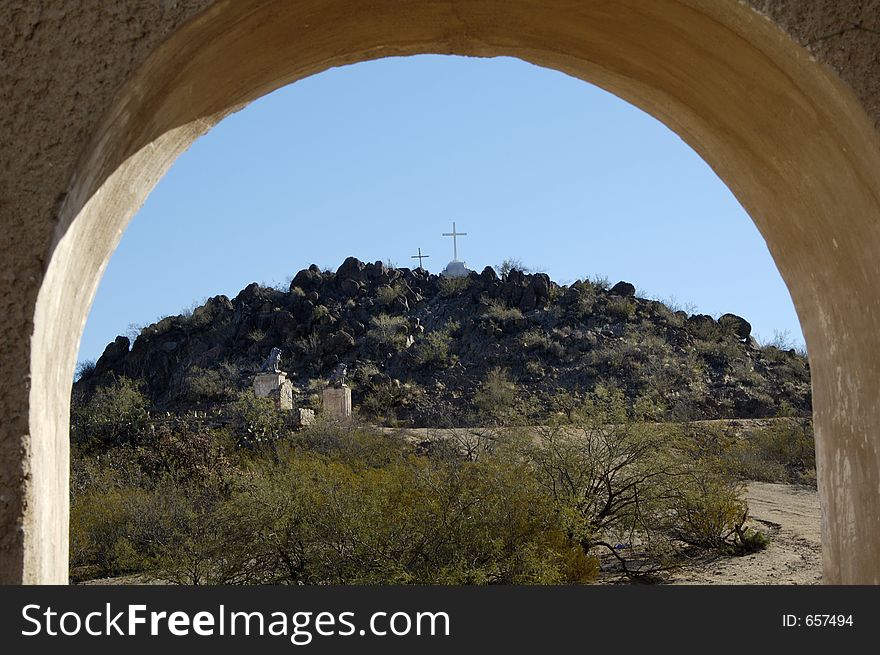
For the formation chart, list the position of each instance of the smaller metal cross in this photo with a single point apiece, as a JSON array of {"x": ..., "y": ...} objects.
[{"x": 420, "y": 257}]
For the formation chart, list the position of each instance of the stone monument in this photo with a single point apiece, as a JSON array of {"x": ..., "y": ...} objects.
[
  {"x": 271, "y": 382},
  {"x": 337, "y": 396}
]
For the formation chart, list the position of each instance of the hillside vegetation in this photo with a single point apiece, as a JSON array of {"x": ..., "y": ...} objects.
[
  {"x": 569, "y": 436},
  {"x": 423, "y": 350}
]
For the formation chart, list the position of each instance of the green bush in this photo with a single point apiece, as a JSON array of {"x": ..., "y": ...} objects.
[
  {"x": 783, "y": 450},
  {"x": 707, "y": 509},
  {"x": 257, "y": 421},
  {"x": 620, "y": 309},
  {"x": 386, "y": 295},
  {"x": 343, "y": 503},
  {"x": 115, "y": 415},
  {"x": 340, "y": 516},
  {"x": 511, "y": 264},
  {"x": 617, "y": 478},
  {"x": 210, "y": 386},
  {"x": 388, "y": 332},
  {"x": 435, "y": 347},
  {"x": 498, "y": 312},
  {"x": 496, "y": 398},
  {"x": 453, "y": 286}
]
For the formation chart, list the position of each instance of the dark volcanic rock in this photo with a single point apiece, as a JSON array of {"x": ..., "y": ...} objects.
[
  {"x": 352, "y": 269},
  {"x": 740, "y": 326},
  {"x": 339, "y": 343},
  {"x": 390, "y": 324},
  {"x": 113, "y": 355},
  {"x": 624, "y": 289}
]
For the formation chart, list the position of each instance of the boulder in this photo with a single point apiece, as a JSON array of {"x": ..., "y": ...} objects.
[
  {"x": 307, "y": 279},
  {"x": 540, "y": 285},
  {"x": 351, "y": 269},
  {"x": 350, "y": 287},
  {"x": 113, "y": 353},
  {"x": 304, "y": 311},
  {"x": 528, "y": 302},
  {"x": 400, "y": 305},
  {"x": 624, "y": 289},
  {"x": 285, "y": 322},
  {"x": 339, "y": 343},
  {"x": 699, "y": 320},
  {"x": 736, "y": 324}
]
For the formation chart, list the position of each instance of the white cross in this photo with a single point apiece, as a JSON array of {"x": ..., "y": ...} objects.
[
  {"x": 454, "y": 236},
  {"x": 420, "y": 256}
]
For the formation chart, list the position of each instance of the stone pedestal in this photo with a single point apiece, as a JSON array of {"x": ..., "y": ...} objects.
[
  {"x": 275, "y": 386},
  {"x": 337, "y": 402},
  {"x": 303, "y": 417}
]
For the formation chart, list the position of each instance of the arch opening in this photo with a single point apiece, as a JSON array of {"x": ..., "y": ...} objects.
[{"x": 728, "y": 82}]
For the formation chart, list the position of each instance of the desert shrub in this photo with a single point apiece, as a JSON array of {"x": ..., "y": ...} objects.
[
  {"x": 116, "y": 414},
  {"x": 320, "y": 312},
  {"x": 540, "y": 340},
  {"x": 322, "y": 520},
  {"x": 256, "y": 335},
  {"x": 499, "y": 312},
  {"x": 647, "y": 366},
  {"x": 705, "y": 330},
  {"x": 453, "y": 286},
  {"x": 512, "y": 264},
  {"x": 599, "y": 282},
  {"x": 496, "y": 397},
  {"x": 585, "y": 302},
  {"x": 185, "y": 453},
  {"x": 214, "y": 385},
  {"x": 434, "y": 348},
  {"x": 386, "y": 295},
  {"x": 534, "y": 369},
  {"x": 257, "y": 421},
  {"x": 619, "y": 479},
  {"x": 781, "y": 340},
  {"x": 101, "y": 529},
  {"x": 349, "y": 441},
  {"x": 187, "y": 538},
  {"x": 383, "y": 401},
  {"x": 388, "y": 332},
  {"x": 342, "y": 503},
  {"x": 311, "y": 346},
  {"x": 707, "y": 509},
  {"x": 338, "y": 515},
  {"x": 620, "y": 308},
  {"x": 152, "y": 507},
  {"x": 783, "y": 450},
  {"x": 172, "y": 531},
  {"x": 84, "y": 369},
  {"x": 725, "y": 353},
  {"x": 668, "y": 311}
]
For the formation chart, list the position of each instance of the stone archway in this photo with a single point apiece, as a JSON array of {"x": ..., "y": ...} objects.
[{"x": 797, "y": 145}]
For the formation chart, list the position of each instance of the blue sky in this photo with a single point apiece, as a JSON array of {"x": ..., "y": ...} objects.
[{"x": 377, "y": 159}]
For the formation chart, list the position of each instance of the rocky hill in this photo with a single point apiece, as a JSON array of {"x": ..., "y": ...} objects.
[{"x": 426, "y": 350}]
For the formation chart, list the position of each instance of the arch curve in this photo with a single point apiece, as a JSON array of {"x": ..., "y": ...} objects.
[{"x": 792, "y": 142}]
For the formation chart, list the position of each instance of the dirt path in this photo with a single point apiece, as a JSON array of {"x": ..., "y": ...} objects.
[{"x": 790, "y": 515}]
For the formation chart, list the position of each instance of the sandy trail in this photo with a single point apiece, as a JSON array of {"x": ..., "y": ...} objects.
[{"x": 790, "y": 515}]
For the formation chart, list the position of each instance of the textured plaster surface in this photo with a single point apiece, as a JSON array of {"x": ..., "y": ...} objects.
[{"x": 100, "y": 97}]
